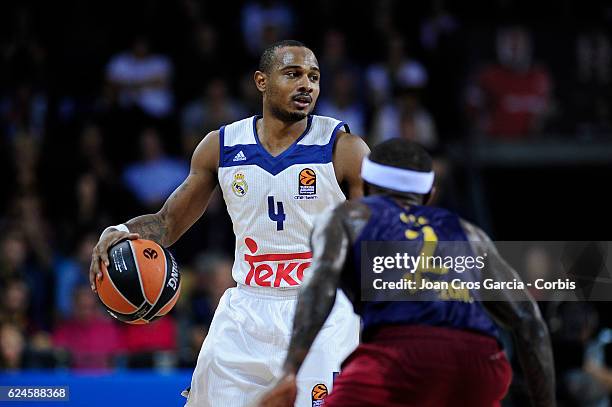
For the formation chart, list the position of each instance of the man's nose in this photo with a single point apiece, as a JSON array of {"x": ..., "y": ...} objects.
[{"x": 305, "y": 85}]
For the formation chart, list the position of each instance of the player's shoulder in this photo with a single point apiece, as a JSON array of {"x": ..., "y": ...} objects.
[
  {"x": 206, "y": 154},
  {"x": 350, "y": 141},
  {"x": 239, "y": 132},
  {"x": 344, "y": 139},
  {"x": 349, "y": 151}
]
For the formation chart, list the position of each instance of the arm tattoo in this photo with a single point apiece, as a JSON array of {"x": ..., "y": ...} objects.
[
  {"x": 152, "y": 227},
  {"x": 157, "y": 226},
  {"x": 330, "y": 245}
]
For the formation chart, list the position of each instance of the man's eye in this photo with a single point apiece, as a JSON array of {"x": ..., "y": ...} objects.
[
  {"x": 314, "y": 78},
  {"x": 290, "y": 74}
]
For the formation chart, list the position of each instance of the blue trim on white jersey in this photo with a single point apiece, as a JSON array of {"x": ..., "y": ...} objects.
[
  {"x": 290, "y": 148},
  {"x": 299, "y": 154},
  {"x": 332, "y": 139},
  {"x": 256, "y": 154},
  {"x": 221, "y": 144}
]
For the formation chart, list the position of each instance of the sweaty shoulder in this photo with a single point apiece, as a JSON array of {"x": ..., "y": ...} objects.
[
  {"x": 349, "y": 152},
  {"x": 206, "y": 155}
]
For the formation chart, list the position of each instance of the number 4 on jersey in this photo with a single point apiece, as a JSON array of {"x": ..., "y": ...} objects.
[{"x": 276, "y": 212}]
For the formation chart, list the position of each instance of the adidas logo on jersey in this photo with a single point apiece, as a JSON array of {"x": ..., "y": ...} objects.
[{"x": 239, "y": 157}]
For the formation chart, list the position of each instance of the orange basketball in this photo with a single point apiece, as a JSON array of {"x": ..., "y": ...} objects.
[
  {"x": 307, "y": 177},
  {"x": 142, "y": 282}
]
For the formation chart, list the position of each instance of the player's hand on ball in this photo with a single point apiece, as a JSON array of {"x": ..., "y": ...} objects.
[
  {"x": 100, "y": 252},
  {"x": 283, "y": 394}
]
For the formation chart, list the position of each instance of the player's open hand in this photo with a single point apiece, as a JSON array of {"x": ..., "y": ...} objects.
[
  {"x": 282, "y": 394},
  {"x": 108, "y": 238}
]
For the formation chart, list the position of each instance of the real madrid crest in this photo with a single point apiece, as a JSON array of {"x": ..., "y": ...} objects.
[{"x": 240, "y": 186}]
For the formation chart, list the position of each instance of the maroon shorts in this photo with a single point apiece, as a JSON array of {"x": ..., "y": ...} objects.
[{"x": 425, "y": 367}]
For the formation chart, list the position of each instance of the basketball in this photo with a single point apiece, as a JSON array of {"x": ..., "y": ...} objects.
[{"x": 141, "y": 283}]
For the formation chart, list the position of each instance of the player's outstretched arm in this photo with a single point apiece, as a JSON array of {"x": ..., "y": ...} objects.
[
  {"x": 180, "y": 211},
  {"x": 522, "y": 317},
  {"x": 329, "y": 242},
  {"x": 348, "y": 155}
]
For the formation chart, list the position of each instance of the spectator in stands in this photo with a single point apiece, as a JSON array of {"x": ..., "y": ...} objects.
[
  {"x": 341, "y": 102},
  {"x": 26, "y": 160},
  {"x": 264, "y": 22},
  {"x": 91, "y": 339},
  {"x": 142, "y": 79},
  {"x": 405, "y": 117},
  {"x": 213, "y": 275},
  {"x": 214, "y": 109},
  {"x": 538, "y": 264},
  {"x": 398, "y": 68},
  {"x": 25, "y": 110},
  {"x": 92, "y": 156},
  {"x": 154, "y": 178},
  {"x": 152, "y": 345},
  {"x": 511, "y": 99},
  {"x": 24, "y": 260},
  {"x": 335, "y": 61},
  {"x": 573, "y": 331},
  {"x": 591, "y": 103},
  {"x": 12, "y": 347},
  {"x": 15, "y": 305},
  {"x": 249, "y": 95},
  {"x": 200, "y": 62},
  {"x": 93, "y": 188},
  {"x": 72, "y": 272}
]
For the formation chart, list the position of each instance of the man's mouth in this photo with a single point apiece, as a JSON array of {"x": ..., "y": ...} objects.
[{"x": 302, "y": 101}]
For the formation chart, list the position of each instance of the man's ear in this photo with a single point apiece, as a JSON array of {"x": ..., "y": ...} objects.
[{"x": 260, "y": 79}]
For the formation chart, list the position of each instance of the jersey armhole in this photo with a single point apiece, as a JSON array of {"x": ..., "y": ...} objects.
[
  {"x": 332, "y": 139},
  {"x": 221, "y": 146}
]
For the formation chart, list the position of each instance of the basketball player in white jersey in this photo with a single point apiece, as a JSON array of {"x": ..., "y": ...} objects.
[{"x": 276, "y": 172}]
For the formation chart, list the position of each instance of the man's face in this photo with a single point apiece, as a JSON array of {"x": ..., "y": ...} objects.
[{"x": 292, "y": 85}]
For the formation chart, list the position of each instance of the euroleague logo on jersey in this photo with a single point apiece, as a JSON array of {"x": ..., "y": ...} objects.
[
  {"x": 239, "y": 185},
  {"x": 307, "y": 184},
  {"x": 319, "y": 392}
]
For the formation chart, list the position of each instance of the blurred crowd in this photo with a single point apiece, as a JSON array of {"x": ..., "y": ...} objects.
[{"x": 102, "y": 104}]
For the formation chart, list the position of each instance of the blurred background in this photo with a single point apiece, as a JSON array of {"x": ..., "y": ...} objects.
[{"x": 103, "y": 102}]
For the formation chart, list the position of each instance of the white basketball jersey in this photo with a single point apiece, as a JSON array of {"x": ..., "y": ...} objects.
[{"x": 273, "y": 200}]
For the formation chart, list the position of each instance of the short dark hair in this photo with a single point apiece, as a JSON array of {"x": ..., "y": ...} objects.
[
  {"x": 402, "y": 153},
  {"x": 267, "y": 56}
]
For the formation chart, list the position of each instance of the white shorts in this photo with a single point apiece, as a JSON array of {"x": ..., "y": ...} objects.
[{"x": 246, "y": 346}]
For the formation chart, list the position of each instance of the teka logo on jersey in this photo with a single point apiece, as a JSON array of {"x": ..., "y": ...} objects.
[
  {"x": 319, "y": 392},
  {"x": 149, "y": 253},
  {"x": 307, "y": 184},
  {"x": 275, "y": 270}
]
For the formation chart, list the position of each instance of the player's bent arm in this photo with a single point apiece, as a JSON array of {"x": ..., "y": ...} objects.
[
  {"x": 330, "y": 242},
  {"x": 179, "y": 212},
  {"x": 348, "y": 155},
  {"x": 522, "y": 317},
  {"x": 188, "y": 202}
]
